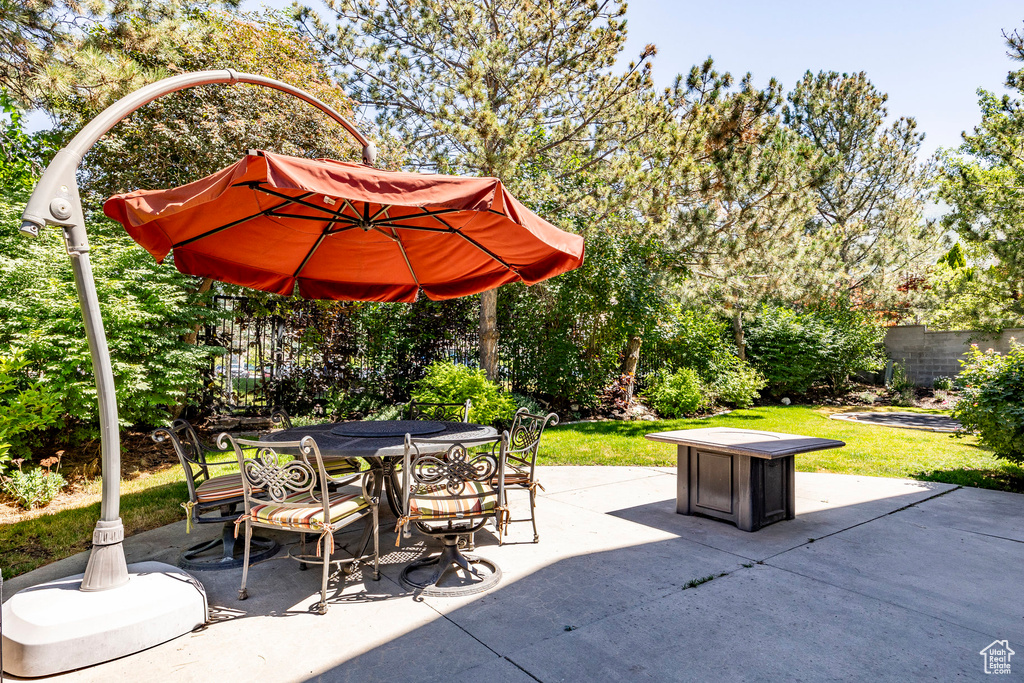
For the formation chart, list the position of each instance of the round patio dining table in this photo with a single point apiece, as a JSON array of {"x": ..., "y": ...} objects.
[{"x": 382, "y": 442}]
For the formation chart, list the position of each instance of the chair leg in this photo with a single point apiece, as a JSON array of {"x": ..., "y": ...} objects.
[
  {"x": 533, "y": 514},
  {"x": 376, "y": 546},
  {"x": 242, "y": 592},
  {"x": 322, "y": 606}
]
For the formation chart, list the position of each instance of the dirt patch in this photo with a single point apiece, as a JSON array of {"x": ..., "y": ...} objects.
[
  {"x": 140, "y": 457},
  {"x": 872, "y": 396}
]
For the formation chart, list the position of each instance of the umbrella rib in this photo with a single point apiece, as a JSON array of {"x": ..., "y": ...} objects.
[
  {"x": 214, "y": 231},
  {"x": 383, "y": 210},
  {"x": 477, "y": 245},
  {"x": 298, "y": 200},
  {"x": 425, "y": 214},
  {"x": 316, "y": 245},
  {"x": 401, "y": 247},
  {"x": 488, "y": 252},
  {"x": 413, "y": 227},
  {"x": 318, "y": 219}
]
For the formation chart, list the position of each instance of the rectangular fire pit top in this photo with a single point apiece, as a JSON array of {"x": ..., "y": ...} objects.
[{"x": 748, "y": 442}]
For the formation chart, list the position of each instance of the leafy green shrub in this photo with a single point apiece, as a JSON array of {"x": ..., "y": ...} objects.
[
  {"x": 696, "y": 339},
  {"x": 700, "y": 340},
  {"x": 558, "y": 340},
  {"x": 796, "y": 351},
  {"x": 942, "y": 384},
  {"x": 447, "y": 382},
  {"x": 992, "y": 402},
  {"x": 674, "y": 394},
  {"x": 37, "y": 486},
  {"x": 26, "y": 406},
  {"x": 902, "y": 389},
  {"x": 147, "y": 311},
  {"x": 393, "y": 412},
  {"x": 739, "y": 385},
  {"x": 532, "y": 407}
]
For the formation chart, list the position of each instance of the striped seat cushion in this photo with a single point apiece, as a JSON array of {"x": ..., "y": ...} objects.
[
  {"x": 308, "y": 510},
  {"x": 220, "y": 488},
  {"x": 340, "y": 466},
  {"x": 432, "y": 502},
  {"x": 513, "y": 478}
]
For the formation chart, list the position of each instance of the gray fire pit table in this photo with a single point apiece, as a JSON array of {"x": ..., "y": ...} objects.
[{"x": 742, "y": 476}]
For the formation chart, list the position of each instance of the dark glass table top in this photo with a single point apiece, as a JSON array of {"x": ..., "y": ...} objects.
[{"x": 332, "y": 444}]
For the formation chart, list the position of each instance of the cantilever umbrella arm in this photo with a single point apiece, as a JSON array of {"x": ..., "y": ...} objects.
[{"x": 55, "y": 201}]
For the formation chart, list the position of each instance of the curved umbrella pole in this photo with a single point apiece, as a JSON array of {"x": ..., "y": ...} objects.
[{"x": 55, "y": 201}]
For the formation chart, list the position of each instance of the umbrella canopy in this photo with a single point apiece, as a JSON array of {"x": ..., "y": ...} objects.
[{"x": 338, "y": 230}]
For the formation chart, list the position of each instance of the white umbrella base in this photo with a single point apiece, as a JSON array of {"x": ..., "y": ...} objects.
[{"x": 54, "y": 627}]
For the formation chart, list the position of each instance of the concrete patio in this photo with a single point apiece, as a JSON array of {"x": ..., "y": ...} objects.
[{"x": 876, "y": 579}]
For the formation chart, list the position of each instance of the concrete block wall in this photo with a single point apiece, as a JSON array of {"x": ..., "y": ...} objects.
[{"x": 927, "y": 355}]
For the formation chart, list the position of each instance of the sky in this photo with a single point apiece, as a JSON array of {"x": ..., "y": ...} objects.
[{"x": 929, "y": 56}]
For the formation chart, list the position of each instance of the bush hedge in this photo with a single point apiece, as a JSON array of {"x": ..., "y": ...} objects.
[
  {"x": 678, "y": 393},
  {"x": 992, "y": 402},
  {"x": 447, "y": 382},
  {"x": 796, "y": 351}
]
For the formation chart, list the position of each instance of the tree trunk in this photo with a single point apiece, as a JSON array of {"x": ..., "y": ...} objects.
[
  {"x": 632, "y": 354},
  {"x": 737, "y": 333},
  {"x": 489, "y": 333},
  {"x": 190, "y": 338},
  {"x": 630, "y": 362}
]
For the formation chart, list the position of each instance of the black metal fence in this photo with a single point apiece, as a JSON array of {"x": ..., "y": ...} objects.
[
  {"x": 330, "y": 353},
  {"x": 347, "y": 356}
]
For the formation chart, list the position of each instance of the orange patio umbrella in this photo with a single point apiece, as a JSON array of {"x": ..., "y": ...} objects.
[{"x": 327, "y": 229}]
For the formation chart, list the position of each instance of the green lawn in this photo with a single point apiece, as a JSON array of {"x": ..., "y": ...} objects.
[
  {"x": 148, "y": 500},
  {"x": 870, "y": 450},
  {"x": 152, "y": 500}
]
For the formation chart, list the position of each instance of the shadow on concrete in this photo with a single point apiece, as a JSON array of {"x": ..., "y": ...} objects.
[{"x": 679, "y": 600}]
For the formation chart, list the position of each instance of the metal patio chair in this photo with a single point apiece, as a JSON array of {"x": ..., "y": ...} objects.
[
  {"x": 300, "y": 496},
  {"x": 449, "y": 494},
  {"x": 336, "y": 467},
  {"x": 280, "y": 418},
  {"x": 207, "y": 495},
  {"x": 521, "y": 457},
  {"x": 441, "y": 412}
]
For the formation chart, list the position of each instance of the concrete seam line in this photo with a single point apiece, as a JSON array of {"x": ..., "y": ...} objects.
[
  {"x": 516, "y": 665},
  {"x": 980, "y": 533},
  {"x": 496, "y": 653},
  {"x": 867, "y": 521}
]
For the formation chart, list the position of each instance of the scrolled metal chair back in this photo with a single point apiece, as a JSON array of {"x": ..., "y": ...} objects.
[
  {"x": 524, "y": 436},
  {"x": 189, "y": 448},
  {"x": 452, "y": 468},
  {"x": 442, "y": 412},
  {"x": 279, "y": 417},
  {"x": 277, "y": 474}
]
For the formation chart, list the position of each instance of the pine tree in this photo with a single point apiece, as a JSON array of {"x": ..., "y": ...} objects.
[
  {"x": 867, "y": 233},
  {"x": 983, "y": 182},
  {"x": 523, "y": 90}
]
